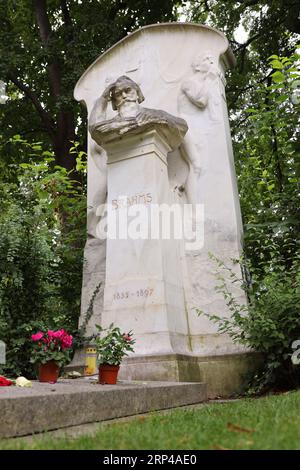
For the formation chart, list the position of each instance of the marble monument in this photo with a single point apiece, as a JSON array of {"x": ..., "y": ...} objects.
[{"x": 174, "y": 151}]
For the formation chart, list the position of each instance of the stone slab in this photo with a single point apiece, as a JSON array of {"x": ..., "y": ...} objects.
[
  {"x": 225, "y": 375},
  {"x": 73, "y": 402}
]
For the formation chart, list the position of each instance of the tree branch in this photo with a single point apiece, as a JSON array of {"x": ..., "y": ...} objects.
[
  {"x": 34, "y": 131},
  {"x": 238, "y": 91},
  {"x": 248, "y": 3},
  {"x": 234, "y": 127},
  {"x": 207, "y": 8},
  {"x": 66, "y": 13},
  {"x": 40, "y": 7},
  {"x": 67, "y": 20},
  {"x": 45, "y": 117},
  {"x": 247, "y": 43}
]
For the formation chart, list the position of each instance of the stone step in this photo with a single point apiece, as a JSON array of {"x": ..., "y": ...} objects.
[{"x": 46, "y": 407}]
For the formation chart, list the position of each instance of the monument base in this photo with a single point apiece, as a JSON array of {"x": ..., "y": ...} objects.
[
  {"x": 224, "y": 375},
  {"x": 78, "y": 363}
]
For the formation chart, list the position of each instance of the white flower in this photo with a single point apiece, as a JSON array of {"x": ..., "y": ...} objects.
[{"x": 23, "y": 382}]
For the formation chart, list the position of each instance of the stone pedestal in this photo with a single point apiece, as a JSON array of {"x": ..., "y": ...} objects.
[{"x": 143, "y": 286}]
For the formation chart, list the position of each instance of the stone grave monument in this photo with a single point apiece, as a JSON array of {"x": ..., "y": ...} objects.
[{"x": 159, "y": 138}]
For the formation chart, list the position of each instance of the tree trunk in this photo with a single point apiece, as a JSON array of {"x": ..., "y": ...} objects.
[{"x": 64, "y": 136}]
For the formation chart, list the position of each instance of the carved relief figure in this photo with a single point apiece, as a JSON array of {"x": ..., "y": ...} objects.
[
  {"x": 125, "y": 96},
  {"x": 197, "y": 93}
]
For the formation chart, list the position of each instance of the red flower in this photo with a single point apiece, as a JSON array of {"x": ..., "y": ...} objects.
[{"x": 4, "y": 382}]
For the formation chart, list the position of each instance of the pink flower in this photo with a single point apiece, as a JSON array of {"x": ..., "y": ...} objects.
[
  {"x": 37, "y": 336},
  {"x": 56, "y": 334},
  {"x": 127, "y": 337},
  {"x": 66, "y": 341}
]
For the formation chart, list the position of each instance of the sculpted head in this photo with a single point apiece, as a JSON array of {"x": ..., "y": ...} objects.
[
  {"x": 124, "y": 90},
  {"x": 125, "y": 96},
  {"x": 202, "y": 62}
]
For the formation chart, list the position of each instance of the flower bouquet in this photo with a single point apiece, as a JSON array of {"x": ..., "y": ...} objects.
[{"x": 51, "y": 350}]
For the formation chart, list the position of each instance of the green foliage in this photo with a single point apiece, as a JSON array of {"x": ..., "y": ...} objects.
[
  {"x": 80, "y": 336},
  {"x": 268, "y": 324},
  {"x": 90, "y": 311},
  {"x": 45, "y": 46},
  {"x": 267, "y": 162},
  {"x": 255, "y": 29},
  {"x": 268, "y": 167},
  {"x": 113, "y": 346},
  {"x": 42, "y": 232}
]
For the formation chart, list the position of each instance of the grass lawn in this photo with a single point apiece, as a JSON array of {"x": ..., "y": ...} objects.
[{"x": 266, "y": 423}]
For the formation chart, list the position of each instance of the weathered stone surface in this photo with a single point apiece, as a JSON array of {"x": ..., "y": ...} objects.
[
  {"x": 143, "y": 286},
  {"x": 225, "y": 375},
  {"x": 188, "y": 83},
  {"x": 72, "y": 402}
]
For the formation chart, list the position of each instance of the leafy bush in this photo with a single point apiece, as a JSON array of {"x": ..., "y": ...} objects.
[
  {"x": 42, "y": 233},
  {"x": 267, "y": 153},
  {"x": 267, "y": 160},
  {"x": 269, "y": 324}
]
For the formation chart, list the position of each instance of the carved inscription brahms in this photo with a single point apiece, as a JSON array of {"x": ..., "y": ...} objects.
[{"x": 124, "y": 201}]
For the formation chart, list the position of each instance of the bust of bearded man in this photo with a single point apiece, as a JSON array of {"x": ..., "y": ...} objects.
[{"x": 125, "y": 96}]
